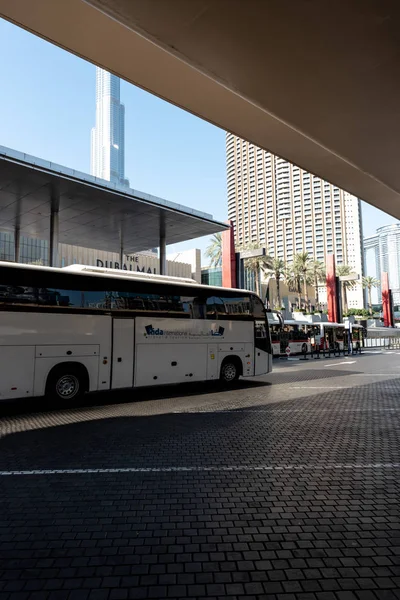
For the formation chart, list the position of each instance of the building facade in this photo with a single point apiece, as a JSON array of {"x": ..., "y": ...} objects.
[
  {"x": 276, "y": 204},
  {"x": 108, "y": 135},
  {"x": 382, "y": 253},
  {"x": 35, "y": 251}
]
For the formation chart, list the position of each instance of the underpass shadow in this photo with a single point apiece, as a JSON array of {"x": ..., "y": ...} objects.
[
  {"x": 72, "y": 523},
  {"x": 104, "y": 437},
  {"x": 123, "y": 396}
]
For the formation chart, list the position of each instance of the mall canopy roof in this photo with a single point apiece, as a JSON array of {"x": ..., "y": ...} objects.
[{"x": 92, "y": 212}]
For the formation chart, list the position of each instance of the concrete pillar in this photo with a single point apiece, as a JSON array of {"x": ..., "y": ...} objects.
[
  {"x": 17, "y": 229},
  {"x": 228, "y": 258},
  {"x": 163, "y": 247},
  {"x": 17, "y": 238},
  {"x": 54, "y": 226},
  {"x": 53, "y": 246},
  {"x": 121, "y": 254},
  {"x": 163, "y": 255},
  {"x": 331, "y": 288}
]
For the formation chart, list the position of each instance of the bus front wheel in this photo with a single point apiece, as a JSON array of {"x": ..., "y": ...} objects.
[
  {"x": 230, "y": 370},
  {"x": 67, "y": 382}
]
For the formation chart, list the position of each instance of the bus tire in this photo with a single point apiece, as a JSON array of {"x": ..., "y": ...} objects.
[
  {"x": 231, "y": 369},
  {"x": 67, "y": 382}
]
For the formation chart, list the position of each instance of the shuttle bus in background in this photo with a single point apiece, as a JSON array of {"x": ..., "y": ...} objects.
[
  {"x": 299, "y": 336},
  {"x": 80, "y": 329}
]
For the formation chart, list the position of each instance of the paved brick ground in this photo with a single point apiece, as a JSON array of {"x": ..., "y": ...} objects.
[{"x": 282, "y": 489}]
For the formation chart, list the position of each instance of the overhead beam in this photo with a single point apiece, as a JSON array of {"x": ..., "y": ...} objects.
[{"x": 315, "y": 83}]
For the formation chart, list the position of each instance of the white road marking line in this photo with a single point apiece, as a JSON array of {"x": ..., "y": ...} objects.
[
  {"x": 283, "y": 410},
  {"x": 346, "y": 362},
  {"x": 317, "y": 387},
  {"x": 374, "y": 375},
  {"x": 217, "y": 469}
]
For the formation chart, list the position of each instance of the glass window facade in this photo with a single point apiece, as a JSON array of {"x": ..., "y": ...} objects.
[
  {"x": 31, "y": 250},
  {"x": 212, "y": 276},
  {"x": 6, "y": 246}
]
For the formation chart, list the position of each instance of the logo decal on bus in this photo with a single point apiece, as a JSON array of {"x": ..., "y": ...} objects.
[{"x": 215, "y": 331}]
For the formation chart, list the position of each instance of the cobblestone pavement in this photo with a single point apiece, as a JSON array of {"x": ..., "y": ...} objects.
[{"x": 284, "y": 488}]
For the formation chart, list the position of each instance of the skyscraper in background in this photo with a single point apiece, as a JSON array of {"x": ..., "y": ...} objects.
[
  {"x": 276, "y": 204},
  {"x": 108, "y": 135},
  {"x": 382, "y": 253}
]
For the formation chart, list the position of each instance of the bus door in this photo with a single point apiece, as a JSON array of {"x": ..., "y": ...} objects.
[
  {"x": 285, "y": 338},
  {"x": 123, "y": 335},
  {"x": 262, "y": 348},
  {"x": 329, "y": 338},
  {"x": 341, "y": 338}
]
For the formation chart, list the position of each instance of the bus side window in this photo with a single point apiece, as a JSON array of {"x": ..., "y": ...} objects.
[
  {"x": 214, "y": 306},
  {"x": 194, "y": 307}
]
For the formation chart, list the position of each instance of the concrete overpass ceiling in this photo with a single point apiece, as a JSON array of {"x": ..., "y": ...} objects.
[{"x": 314, "y": 81}]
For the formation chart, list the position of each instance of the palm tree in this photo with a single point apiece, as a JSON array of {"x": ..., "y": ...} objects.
[
  {"x": 369, "y": 283},
  {"x": 293, "y": 281},
  {"x": 341, "y": 271},
  {"x": 214, "y": 250},
  {"x": 277, "y": 271},
  {"x": 302, "y": 262},
  {"x": 318, "y": 273},
  {"x": 257, "y": 264}
]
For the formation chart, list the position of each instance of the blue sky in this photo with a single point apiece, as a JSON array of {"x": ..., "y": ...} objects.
[{"x": 47, "y": 108}]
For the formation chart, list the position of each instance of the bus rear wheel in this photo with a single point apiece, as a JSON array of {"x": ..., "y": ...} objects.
[
  {"x": 230, "y": 371},
  {"x": 66, "y": 383}
]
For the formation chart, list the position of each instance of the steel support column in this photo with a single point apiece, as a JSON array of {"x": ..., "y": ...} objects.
[
  {"x": 163, "y": 248},
  {"x": 17, "y": 238},
  {"x": 121, "y": 245},
  {"x": 54, "y": 229}
]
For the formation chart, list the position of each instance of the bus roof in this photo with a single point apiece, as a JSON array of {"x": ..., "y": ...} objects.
[
  {"x": 90, "y": 271},
  {"x": 131, "y": 274}
]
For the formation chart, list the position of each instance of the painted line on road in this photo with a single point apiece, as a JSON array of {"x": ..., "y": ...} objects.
[
  {"x": 284, "y": 410},
  {"x": 373, "y": 375},
  {"x": 317, "y": 387},
  {"x": 346, "y": 362},
  {"x": 222, "y": 468}
]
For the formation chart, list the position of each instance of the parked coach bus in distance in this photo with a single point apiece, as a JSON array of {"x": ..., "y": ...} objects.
[{"x": 80, "y": 329}]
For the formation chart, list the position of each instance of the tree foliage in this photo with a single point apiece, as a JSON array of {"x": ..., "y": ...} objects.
[{"x": 214, "y": 250}]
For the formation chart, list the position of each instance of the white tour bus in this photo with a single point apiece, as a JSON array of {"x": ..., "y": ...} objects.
[{"x": 67, "y": 331}]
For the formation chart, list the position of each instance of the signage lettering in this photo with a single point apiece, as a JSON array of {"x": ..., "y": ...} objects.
[{"x": 115, "y": 265}]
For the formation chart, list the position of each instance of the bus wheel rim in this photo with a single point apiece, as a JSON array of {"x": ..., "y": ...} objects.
[
  {"x": 67, "y": 386},
  {"x": 229, "y": 372}
]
